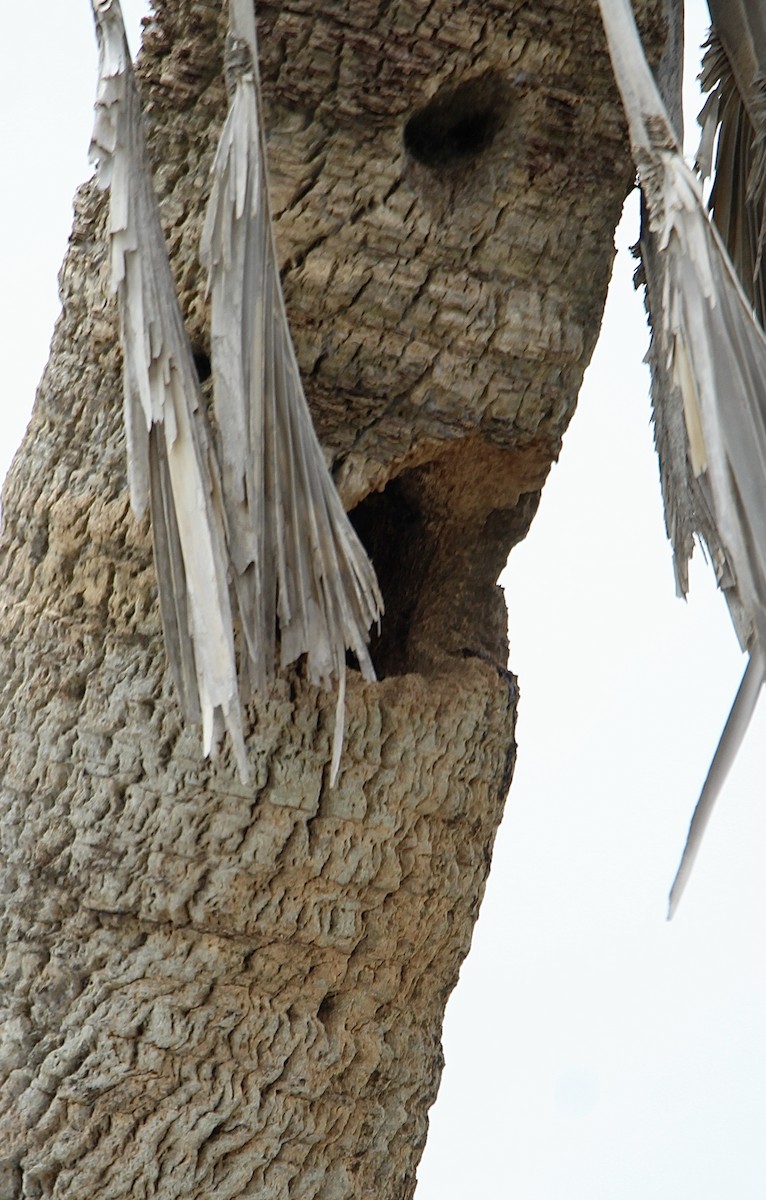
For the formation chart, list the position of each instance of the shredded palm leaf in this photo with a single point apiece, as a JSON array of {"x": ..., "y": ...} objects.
[
  {"x": 261, "y": 534},
  {"x": 169, "y": 455},
  {"x": 297, "y": 559},
  {"x": 738, "y": 196},
  {"x": 716, "y": 364}
]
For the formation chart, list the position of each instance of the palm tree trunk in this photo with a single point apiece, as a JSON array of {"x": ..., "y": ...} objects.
[{"x": 213, "y": 990}]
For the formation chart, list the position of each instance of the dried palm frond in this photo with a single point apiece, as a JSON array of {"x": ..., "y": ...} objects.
[
  {"x": 169, "y": 455},
  {"x": 716, "y": 359},
  {"x": 734, "y": 75},
  {"x": 297, "y": 560},
  {"x": 685, "y": 497}
]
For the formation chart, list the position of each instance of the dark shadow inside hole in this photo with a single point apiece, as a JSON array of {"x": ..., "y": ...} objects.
[
  {"x": 398, "y": 542},
  {"x": 201, "y": 363},
  {"x": 439, "y": 535},
  {"x": 326, "y": 1008},
  {"x": 459, "y": 123}
]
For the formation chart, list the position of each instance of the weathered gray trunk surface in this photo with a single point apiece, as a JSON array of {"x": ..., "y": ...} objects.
[{"x": 219, "y": 991}]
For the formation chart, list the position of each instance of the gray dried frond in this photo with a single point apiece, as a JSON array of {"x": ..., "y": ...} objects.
[
  {"x": 685, "y": 498},
  {"x": 297, "y": 560},
  {"x": 735, "y": 111},
  {"x": 169, "y": 455},
  {"x": 716, "y": 360}
]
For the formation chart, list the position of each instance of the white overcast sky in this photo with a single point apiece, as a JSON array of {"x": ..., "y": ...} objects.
[{"x": 594, "y": 1052}]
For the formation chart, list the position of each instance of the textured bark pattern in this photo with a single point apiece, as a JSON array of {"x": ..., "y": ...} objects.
[{"x": 211, "y": 990}]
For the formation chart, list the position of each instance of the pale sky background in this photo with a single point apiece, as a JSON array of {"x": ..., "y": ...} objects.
[{"x": 594, "y": 1052}]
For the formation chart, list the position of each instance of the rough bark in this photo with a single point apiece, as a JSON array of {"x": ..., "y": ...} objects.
[{"x": 212, "y": 990}]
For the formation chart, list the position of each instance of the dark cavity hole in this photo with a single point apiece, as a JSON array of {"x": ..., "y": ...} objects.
[
  {"x": 326, "y": 1008},
  {"x": 459, "y": 123},
  {"x": 201, "y": 363},
  {"x": 395, "y": 535}
]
